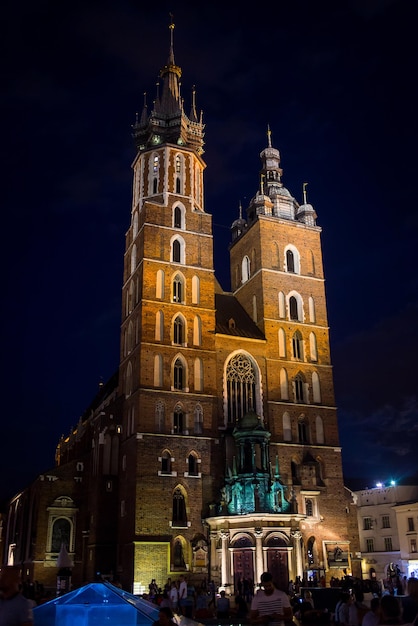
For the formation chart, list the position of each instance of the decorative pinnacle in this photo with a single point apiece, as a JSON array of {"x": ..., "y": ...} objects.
[
  {"x": 305, "y": 198},
  {"x": 269, "y": 135}
]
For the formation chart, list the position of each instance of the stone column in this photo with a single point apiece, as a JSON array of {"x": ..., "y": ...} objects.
[
  {"x": 297, "y": 535},
  {"x": 259, "y": 561},
  {"x": 213, "y": 560},
  {"x": 224, "y": 564}
]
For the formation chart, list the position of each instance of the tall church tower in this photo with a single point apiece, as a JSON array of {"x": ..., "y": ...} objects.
[
  {"x": 167, "y": 361},
  {"x": 229, "y": 457}
]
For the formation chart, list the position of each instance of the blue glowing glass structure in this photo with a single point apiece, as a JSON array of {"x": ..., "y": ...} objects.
[{"x": 94, "y": 604}]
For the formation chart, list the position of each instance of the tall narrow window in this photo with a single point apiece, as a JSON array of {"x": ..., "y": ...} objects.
[
  {"x": 290, "y": 261},
  {"x": 133, "y": 258},
  {"x": 178, "y": 330},
  {"x": 178, "y": 421},
  {"x": 312, "y": 347},
  {"x": 309, "y": 507},
  {"x": 303, "y": 431},
  {"x": 155, "y": 185},
  {"x": 299, "y": 388},
  {"x": 159, "y": 326},
  {"x": 158, "y": 370},
  {"x": 178, "y": 222},
  {"x": 192, "y": 466},
  {"x": 198, "y": 420},
  {"x": 179, "y": 509},
  {"x": 159, "y": 285},
  {"x": 178, "y": 289},
  {"x": 178, "y": 375},
  {"x": 166, "y": 462},
  {"x": 319, "y": 426},
  {"x": 255, "y": 309},
  {"x": 312, "y": 315},
  {"x": 284, "y": 386},
  {"x": 198, "y": 374},
  {"x": 176, "y": 251},
  {"x": 293, "y": 308},
  {"x": 282, "y": 307},
  {"x": 195, "y": 290},
  {"x": 128, "y": 379},
  {"x": 282, "y": 343},
  {"x": 297, "y": 345},
  {"x": 369, "y": 545},
  {"x": 316, "y": 388},
  {"x": 287, "y": 429},
  {"x": 245, "y": 269},
  {"x": 197, "y": 331}
]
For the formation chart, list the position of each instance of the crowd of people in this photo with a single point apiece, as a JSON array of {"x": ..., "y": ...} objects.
[
  {"x": 359, "y": 604},
  {"x": 203, "y": 602}
]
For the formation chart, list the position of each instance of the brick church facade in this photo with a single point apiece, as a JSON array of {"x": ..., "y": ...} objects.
[{"x": 214, "y": 449}]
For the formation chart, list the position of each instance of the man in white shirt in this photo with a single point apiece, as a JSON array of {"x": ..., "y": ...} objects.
[{"x": 269, "y": 605}]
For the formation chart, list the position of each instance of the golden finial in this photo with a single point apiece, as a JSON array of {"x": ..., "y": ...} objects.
[
  {"x": 171, "y": 27},
  {"x": 305, "y": 199}
]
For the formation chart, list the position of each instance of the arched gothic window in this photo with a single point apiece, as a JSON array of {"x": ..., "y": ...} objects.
[
  {"x": 178, "y": 291},
  {"x": 192, "y": 466},
  {"x": 240, "y": 380},
  {"x": 178, "y": 375},
  {"x": 178, "y": 330},
  {"x": 176, "y": 251},
  {"x": 245, "y": 269},
  {"x": 178, "y": 420},
  {"x": 290, "y": 261},
  {"x": 166, "y": 462},
  {"x": 178, "y": 217},
  {"x": 297, "y": 345},
  {"x": 61, "y": 532},
  {"x": 299, "y": 388},
  {"x": 179, "y": 518},
  {"x": 303, "y": 431},
  {"x": 293, "y": 308},
  {"x": 198, "y": 420}
]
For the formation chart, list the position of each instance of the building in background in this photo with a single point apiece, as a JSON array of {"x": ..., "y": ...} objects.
[
  {"x": 214, "y": 450},
  {"x": 388, "y": 532}
]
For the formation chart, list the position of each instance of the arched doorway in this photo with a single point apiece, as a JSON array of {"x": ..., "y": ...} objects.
[
  {"x": 243, "y": 561},
  {"x": 277, "y": 561}
]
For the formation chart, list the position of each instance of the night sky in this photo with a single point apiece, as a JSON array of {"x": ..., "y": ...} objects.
[{"x": 337, "y": 83}]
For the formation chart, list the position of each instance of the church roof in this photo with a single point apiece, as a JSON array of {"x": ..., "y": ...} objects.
[{"x": 232, "y": 319}]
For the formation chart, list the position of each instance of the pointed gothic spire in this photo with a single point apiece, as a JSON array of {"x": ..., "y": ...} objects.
[
  {"x": 144, "y": 114},
  {"x": 170, "y": 103},
  {"x": 193, "y": 114}
]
